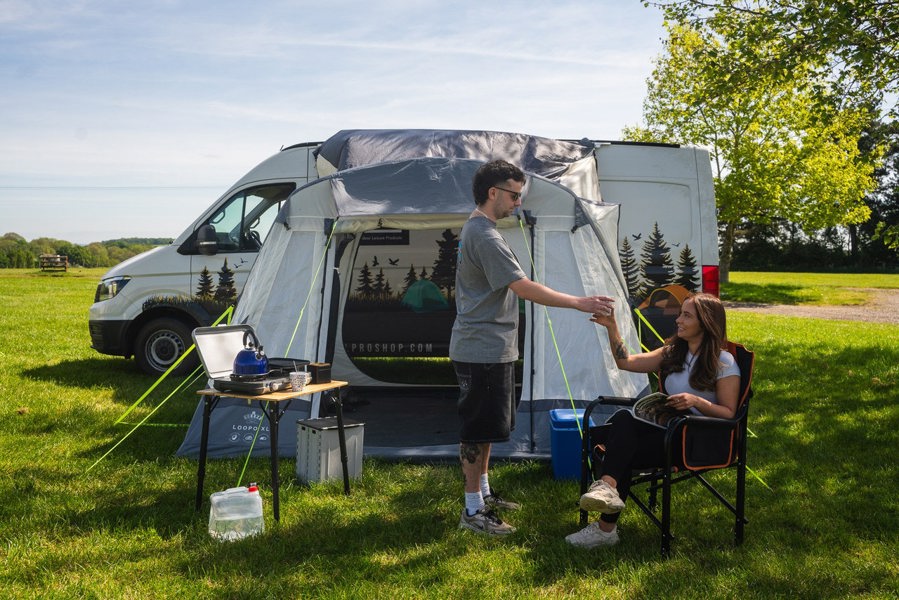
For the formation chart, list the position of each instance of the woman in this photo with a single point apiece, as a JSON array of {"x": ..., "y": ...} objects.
[{"x": 699, "y": 376}]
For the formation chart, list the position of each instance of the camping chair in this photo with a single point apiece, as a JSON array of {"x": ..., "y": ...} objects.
[{"x": 701, "y": 434}]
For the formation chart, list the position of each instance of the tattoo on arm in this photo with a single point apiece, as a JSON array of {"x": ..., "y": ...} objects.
[
  {"x": 469, "y": 452},
  {"x": 620, "y": 351}
]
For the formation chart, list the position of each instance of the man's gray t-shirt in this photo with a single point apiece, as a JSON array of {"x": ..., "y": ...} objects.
[{"x": 486, "y": 327}]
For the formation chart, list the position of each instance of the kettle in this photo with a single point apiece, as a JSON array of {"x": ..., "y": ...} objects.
[{"x": 251, "y": 360}]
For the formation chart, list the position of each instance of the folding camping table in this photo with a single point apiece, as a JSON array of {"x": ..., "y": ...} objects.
[{"x": 273, "y": 405}]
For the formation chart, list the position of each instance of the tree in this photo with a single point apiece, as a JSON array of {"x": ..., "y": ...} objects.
[
  {"x": 881, "y": 232},
  {"x": 852, "y": 45},
  {"x": 776, "y": 154}
]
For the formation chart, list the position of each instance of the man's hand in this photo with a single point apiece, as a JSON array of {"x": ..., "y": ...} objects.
[{"x": 596, "y": 305}]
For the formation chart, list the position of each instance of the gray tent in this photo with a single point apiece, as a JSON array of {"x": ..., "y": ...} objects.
[{"x": 328, "y": 283}]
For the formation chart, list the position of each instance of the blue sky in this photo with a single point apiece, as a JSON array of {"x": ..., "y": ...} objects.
[{"x": 126, "y": 119}]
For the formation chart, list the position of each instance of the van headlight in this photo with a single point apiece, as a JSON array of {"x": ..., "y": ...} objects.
[{"x": 109, "y": 288}]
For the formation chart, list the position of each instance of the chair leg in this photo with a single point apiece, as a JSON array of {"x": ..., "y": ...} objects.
[
  {"x": 741, "y": 502},
  {"x": 666, "y": 513}
]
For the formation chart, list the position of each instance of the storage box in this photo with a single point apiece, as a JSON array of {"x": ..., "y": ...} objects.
[
  {"x": 565, "y": 441},
  {"x": 318, "y": 449}
]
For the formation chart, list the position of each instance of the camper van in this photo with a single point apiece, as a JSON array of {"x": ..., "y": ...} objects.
[{"x": 147, "y": 306}]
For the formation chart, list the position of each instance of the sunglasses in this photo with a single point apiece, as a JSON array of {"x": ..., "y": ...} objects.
[{"x": 515, "y": 195}]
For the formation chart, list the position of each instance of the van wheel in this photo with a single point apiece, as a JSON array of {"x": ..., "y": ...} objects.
[{"x": 160, "y": 343}]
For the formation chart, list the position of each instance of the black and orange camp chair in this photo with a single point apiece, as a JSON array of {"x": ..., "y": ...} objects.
[{"x": 700, "y": 450}]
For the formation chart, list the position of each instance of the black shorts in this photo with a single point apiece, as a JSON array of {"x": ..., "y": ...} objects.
[{"x": 487, "y": 401}]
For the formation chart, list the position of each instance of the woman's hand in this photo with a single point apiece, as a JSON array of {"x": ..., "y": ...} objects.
[
  {"x": 685, "y": 401},
  {"x": 604, "y": 320}
]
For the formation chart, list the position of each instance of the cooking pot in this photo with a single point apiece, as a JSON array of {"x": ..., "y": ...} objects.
[{"x": 251, "y": 360}]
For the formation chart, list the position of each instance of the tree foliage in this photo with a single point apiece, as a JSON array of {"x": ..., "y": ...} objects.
[
  {"x": 777, "y": 152},
  {"x": 16, "y": 252},
  {"x": 851, "y": 45}
]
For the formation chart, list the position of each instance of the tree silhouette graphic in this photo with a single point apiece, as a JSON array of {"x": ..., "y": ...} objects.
[
  {"x": 364, "y": 289},
  {"x": 226, "y": 292},
  {"x": 411, "y": 278},
  {"x": 205, "y": 287},
  {"x": 443, "y": 275},
  {"x": 656, "y": 265},
  {"x": 378, "y": 289},
  {"x": 686, "y": 269},
  {"x": 630, "y": 268}
]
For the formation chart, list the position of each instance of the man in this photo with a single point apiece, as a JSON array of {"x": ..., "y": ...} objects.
[{"x": 484, "y": 342}]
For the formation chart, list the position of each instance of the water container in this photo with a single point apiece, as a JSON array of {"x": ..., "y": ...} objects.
[{"x": 236, "y": 513}]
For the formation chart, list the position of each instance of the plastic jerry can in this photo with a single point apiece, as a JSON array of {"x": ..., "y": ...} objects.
[{"x": 236, "y": 513}]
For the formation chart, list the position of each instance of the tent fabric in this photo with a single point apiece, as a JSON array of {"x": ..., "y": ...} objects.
[
  {"x": 298, "y": 290},
  {"x": 548, "y": 158}
]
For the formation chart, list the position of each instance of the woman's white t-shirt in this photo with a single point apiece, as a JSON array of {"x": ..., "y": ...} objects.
[{"x": 679, "y": 383}]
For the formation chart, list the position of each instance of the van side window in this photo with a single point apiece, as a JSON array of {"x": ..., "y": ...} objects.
[{"x": 243, "y": 222}]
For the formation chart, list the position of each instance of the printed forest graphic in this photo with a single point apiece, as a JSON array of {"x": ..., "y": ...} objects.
[
  {"x": 214, "y": 297},
  {"x": 420, "y": 291},
  {"x": 655, "y": 267}
]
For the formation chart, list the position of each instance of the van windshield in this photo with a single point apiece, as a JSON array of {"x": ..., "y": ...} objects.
[{"x": 243, "y": 222}]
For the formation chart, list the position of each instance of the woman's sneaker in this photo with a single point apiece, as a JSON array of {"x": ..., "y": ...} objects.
[
  {"x": 485, "y": 521},
  {"x": 592, "y": 536},
  {"x": 601, "y": 497}
]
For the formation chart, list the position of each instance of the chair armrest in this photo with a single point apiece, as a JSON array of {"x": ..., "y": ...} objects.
[
  {"x": 615, "y": 400},
  {"x": 607, "y": 400}
]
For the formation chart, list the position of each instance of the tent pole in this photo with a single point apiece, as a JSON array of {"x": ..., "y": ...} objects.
[{"x": 531, "y": 221}]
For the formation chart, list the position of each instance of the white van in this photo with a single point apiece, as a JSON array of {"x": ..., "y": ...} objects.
[{"x": 147, "y": 306}]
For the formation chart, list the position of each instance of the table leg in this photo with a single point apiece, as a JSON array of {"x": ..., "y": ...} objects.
[
  {"x": 274, "y": 417},
  {"x": 341, "y": 437},
  {"x": 209, "y": 403}
]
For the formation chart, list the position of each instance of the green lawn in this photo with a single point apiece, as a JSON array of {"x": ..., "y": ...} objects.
[
  {"x": 825, "y": 523},
  {"x": 805, "y": 288}
]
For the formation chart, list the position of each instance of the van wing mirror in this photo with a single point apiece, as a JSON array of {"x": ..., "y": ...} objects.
[{"x": 207, "y": 241}]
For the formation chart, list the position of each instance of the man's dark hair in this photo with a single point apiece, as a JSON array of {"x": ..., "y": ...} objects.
[{"x": 493, "y": 173}]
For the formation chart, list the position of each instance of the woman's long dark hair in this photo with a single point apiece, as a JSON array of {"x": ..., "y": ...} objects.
[{"x": 713, "y": 323}]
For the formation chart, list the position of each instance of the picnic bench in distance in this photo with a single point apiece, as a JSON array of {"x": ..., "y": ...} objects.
[{"x": 54, "y": 262}]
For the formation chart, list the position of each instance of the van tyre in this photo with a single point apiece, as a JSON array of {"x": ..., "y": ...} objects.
[{"x": 160, "y": 343}]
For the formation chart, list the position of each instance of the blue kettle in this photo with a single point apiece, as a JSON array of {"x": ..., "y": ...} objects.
[{"x": 250, "y": 361}]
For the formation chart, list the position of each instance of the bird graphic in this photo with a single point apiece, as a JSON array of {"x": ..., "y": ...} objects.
[
  {"x": 677, "y": 245},
  {"x": 393, "y": 261},
  {"x": 374, "y": 261},
  {"x": 636, "y": 236}
]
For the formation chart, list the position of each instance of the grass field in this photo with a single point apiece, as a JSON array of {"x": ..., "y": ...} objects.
[
  {"x": 805, "y": 288},
  {"x": 823, "y": 512}
]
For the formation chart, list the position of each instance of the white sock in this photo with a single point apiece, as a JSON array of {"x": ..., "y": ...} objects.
[
  {"x": 485, "y": 485},
  {"x": 473, "y": 502}
]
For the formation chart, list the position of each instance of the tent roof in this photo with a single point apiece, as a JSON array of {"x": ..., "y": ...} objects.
[{"x": 546, "y": 157}]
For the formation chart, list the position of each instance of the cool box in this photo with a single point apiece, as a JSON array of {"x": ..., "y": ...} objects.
[{"x": 565, "y": 441}]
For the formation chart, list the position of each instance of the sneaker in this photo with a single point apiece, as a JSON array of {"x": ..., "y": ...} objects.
[
  {"x": 592, "y": 536},
  {"x": 494, "y": 500},
  {"x": 602, "y": 497},
  {"x": 485, "y": 521}
]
